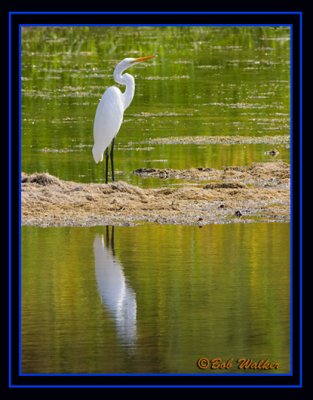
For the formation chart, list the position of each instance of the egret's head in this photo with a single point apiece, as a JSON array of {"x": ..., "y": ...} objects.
[{"x": 129, "y": 62}]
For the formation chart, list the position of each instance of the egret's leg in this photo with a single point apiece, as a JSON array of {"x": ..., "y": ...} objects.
[
  {"x": 106, "y": 165},
  {"x": 111, "y": 156}
]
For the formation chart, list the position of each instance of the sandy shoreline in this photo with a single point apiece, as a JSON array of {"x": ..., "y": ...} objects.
[{"x": 259, "y": 192}]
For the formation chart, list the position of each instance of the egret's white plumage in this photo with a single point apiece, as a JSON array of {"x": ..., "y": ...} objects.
[
  {"x": 108, "y": 120},
  {"x": 110, "y": 111}
]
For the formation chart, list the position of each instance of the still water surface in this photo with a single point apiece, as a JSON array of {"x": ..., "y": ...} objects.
[{"x": 154, "y": 299}]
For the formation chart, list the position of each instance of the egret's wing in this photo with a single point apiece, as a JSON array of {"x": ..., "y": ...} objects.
[{"x": 108, "y": 119}]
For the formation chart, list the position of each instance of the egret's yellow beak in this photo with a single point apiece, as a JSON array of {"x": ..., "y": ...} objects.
[{"x": 141, "y": 59}]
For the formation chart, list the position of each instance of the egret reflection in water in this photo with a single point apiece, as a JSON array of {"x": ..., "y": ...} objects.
[{"x": 116, "y": 294}]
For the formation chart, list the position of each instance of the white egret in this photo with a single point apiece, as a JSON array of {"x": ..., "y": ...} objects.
[{"x": 110, "y": 111}]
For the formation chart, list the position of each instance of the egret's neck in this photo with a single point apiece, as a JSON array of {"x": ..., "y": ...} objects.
[{"x": 129, "y": 82}]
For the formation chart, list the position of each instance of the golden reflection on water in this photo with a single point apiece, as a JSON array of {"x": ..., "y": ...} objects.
[{"x": 166, "y": 296}]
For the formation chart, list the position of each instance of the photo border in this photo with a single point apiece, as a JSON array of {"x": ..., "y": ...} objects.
[{"x": 292, "y": 110}]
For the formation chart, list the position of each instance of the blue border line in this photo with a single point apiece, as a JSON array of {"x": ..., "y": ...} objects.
[
  {"x": 9, "y": 205},
  {"x": 161, "y": 12},
  {"x": 10, "y": 130},
  {"x": 158, "y": 386},
  {"x": 300, "y": 199}
]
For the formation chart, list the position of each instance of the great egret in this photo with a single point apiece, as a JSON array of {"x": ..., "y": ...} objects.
[{"x": 110, "y": 111}]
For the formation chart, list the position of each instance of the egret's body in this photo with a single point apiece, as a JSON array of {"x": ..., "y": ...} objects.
[
  {"x": 108, "y": 120},
  {"x": 110, "y": 112}
]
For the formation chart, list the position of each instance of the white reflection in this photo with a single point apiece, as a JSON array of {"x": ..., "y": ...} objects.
[{"x": 116, "y": 294}]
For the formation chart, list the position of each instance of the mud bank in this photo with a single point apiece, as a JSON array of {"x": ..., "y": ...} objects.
[
  {"x": 203, "y": 140},
  {"x": 235, "y": 194}
]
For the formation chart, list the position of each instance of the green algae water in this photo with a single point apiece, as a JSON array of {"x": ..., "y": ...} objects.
[{"x": 205, "y": 81}]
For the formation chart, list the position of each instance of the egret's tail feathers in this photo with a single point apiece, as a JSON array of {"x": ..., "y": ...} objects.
[{"x": 97, "y": 155}]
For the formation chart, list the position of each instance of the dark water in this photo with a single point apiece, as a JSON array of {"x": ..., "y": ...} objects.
[
  {"x": 205, "y": 81},
  {"x": 154, "y": 299}
]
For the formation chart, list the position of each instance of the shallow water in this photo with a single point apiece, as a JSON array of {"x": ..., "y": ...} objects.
[
  {"x": 154, "y": 300},
  {"x": 205, "y": 81}
]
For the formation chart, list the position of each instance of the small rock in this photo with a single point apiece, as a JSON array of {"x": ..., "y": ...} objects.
[
  {"x": 204, "y": 169},
  {"x": 163, "y": 174},
  {"x": 272, "y": 152}
]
